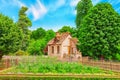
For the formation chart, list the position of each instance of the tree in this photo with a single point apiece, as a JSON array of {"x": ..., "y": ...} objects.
[
  {"x": 36, "y": 47},
  {"x": 39, "y": 40},
  {"x": 82, "y": 8},
  {"x": 99, "y": 33},
  {"x": 69, "y": 29},
  {"x": 117, "y": 56},
  {"x": 49, "y": 35},
  {"x": 38, "y": 34},
  {"x": 24, "y": 23},
  {"x": 65, "y": 29},
  {"x": 10, "y": 36}
]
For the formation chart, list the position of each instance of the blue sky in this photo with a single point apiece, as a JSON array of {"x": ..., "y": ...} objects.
[{"x": 48, "y": 14}]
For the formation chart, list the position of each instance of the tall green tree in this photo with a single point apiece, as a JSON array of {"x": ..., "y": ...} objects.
[
  {"x": 24, "y": 23},
  {"x": 39, "y": 40},
  {"x": 65, "y": 29},
  {"x": 82, "y": 8},
  {"x": 99, "y": 33},
  {"x": 36, "y": 47},
  {"x": 49, "y": 35},
  {"x": 38, "y": 34},
  {"x": 69, "y": 29},
  {"x": 10, "y": 36},
  {"x": 117, "y": 56}
]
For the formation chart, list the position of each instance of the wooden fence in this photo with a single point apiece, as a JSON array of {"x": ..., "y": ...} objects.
[
  {"x": 6, "y": 63},
  {"x": 107, "y": 65}
]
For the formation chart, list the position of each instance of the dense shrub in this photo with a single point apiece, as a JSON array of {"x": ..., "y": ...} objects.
[{"x": 21, "y": 53}]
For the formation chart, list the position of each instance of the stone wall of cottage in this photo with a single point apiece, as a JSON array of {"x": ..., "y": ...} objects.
[
  {"x": 50, "y": 53},
  {"x": 65, "y": 44},
  {"x": 64, "y": 49},
  {"x": 73, "y": 48},
  {"x": 49, "y": 50}
]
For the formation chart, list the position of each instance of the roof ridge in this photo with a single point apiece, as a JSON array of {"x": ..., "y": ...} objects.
[{"x": 62, "y": 38}]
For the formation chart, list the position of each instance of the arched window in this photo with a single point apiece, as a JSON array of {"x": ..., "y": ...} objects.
[
  {"x": 52, "y": 49},
  {"x": 58, "y": 49}
]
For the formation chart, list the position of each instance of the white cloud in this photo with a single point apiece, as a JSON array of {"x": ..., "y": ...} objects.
[
  {"x": 18, "y": 3},
  {"x": 60, "y": 3},
  {"x": 74, "y": 2},
  {"x": 113, "y": 2},
  {"x": 56, "y": 5},
  {"x": 38, "y": 10}
]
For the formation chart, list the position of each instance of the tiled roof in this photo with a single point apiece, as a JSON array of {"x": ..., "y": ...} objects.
[
  {"x": 75, "y": 40},
  {"x": 59, "y": 39}
]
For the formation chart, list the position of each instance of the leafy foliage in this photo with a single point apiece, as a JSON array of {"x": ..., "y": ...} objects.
[
  {"x": 36, "y": 47},
  {"x": 10, "y": 35},
  {"x": 24, "y": 23},
  {"x": 38, "y": 34},
  {"x": 58, "y": 68},
  {"x": 82, "y": 8},
  {"x": 99, "y": 33},
  {"x": 49, "y": 35},
  {"x": 117, "y": 56},
  {"x": 69, "y": 29},
  {"x": 39, "y": 40},
  {"x": 65, "y": 29},
  {"x": 20, "y": 53}
]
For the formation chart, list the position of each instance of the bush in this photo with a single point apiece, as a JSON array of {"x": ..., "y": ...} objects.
[
  {"x": 20, "y": 53},
  {"x": 36, "y": 47},
  {"x": 117, "y": 56}
]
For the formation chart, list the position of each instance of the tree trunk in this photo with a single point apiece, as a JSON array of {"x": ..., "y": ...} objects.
[{"x": 1, "y": 54}]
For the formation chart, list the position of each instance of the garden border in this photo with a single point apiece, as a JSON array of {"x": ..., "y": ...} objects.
[{"x": 61, "y": 75}]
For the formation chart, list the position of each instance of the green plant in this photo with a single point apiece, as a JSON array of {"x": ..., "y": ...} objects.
[
  {"x": 117, "y": 56},
  {"x": 51, "y": 65},
  {"x": 21, "y": 53},
  {"x": 99, "y": 32}
]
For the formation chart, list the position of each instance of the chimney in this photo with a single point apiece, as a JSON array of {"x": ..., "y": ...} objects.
[{"x": 57, "y": 35}]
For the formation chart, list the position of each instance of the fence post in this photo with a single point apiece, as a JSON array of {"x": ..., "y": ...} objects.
[
  {"x": 7, "y": 62},
  {"x": 16, "y": 61},
  {"x": 111, "y": 65}
]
